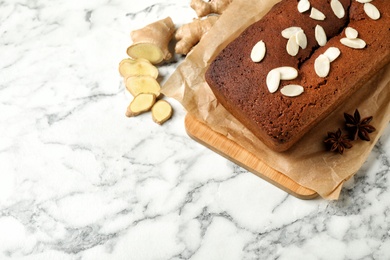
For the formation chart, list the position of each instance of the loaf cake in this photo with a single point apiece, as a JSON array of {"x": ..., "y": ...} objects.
[{"x": 359, "y": 43}]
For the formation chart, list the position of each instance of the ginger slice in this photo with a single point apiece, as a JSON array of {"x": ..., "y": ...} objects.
[
  {"x": 123, "y": 63},
  {"x": 124, "y": 66},
  {"x": 161, "y": 112},
  {"x": 151, "y": 42},
  {"x": 141, "y": 103},
  {"x": 138, "y": 67},
  {"x": 142, "y": 84}
]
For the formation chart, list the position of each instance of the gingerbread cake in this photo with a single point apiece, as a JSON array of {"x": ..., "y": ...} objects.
[{"x": 322, "y": 50}]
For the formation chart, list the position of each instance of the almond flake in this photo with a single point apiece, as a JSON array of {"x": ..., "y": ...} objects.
[
  {"x": 303, "y": 6},
  {"x": 332, "y": 53},
  {"x": 363, "y": 1},
  {"x": 258, "y": 51},
  {"x": 322, "y": 66},
  {"x": 337, "y": 8},
  {"x": 371, "y": 11},
  {"x": 316, "y": 14},
  {"x": 292, "y": 90},
  {"x": 273, "y": 80},
  {"x": 351, "y": 33},
  {"x": 292, "y": 46},
  {"x": 353, "y": 43},
  {"x": 287, "y": 73},
  {"x": 320, "y": 35},
  {"x": 290, "y": 31},
  {"x": 301, "y": 39}
]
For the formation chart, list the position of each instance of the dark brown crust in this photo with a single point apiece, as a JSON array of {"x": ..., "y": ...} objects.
[{"x": 278, "y": 121}]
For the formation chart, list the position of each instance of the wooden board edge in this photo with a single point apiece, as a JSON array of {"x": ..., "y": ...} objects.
[{"x": 234, "y": 152}]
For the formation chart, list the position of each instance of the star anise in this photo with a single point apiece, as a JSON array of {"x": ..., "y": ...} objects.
[
  {"x": 337, "y": 142},
  {"x": 358, "y": 128}
]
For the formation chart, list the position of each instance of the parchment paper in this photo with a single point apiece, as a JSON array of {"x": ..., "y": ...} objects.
[{"x": 307, "y": 162}]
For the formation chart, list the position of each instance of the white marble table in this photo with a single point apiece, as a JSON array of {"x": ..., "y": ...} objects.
[{"x": 79, "y": 180}]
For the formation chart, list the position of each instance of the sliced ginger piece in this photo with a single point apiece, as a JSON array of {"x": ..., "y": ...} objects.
[
  {"x": 161, "y": 111},
  {"x": 141, "y": 103},
  {"x": 138, "y": 67},
  {"x": 151, "y": 42},
  {"x": 149, "y": 51},
  {"x": 142, "y": 84},
  {"x": 123, "y": 65}
]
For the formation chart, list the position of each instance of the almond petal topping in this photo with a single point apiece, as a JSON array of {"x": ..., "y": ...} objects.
[
  {"x": 273, "y": 80},
  {"x": 353, "y": 43},
  {"x": 372, "y": 11},
  {"x": 363, "y": 1},
  {"x": 292, "y": 90},
  {"x": 322, "y": 66},
  {"x": 258, "y": 51},
  {"x": 303, "y": 6},
  {"x": 292, "y": 46},
  {"x": 332, "y": 53},
  {"x": 320, "y": 35},
  {"x": 301, "y": 39},
  {"x": 351, "y": 33},
  {"x": 337, "y": 8},
  {"x": 316, "y": 14},
  {"x": 290, "y": 31},
  {"x": 287, "y": 73}
]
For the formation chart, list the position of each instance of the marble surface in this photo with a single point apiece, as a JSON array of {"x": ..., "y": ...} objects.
[{"x": 79, "y": 180}]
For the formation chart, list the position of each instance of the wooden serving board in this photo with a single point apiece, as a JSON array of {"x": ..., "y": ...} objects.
[{"x": 215, "y": 141}]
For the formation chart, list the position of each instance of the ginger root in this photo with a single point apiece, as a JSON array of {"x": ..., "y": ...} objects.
[
  {"x": 138, "y": 67},
  {"x": 141, "y": 103},
  {"x": 161, "y": 111},
  {"x": 190, "y": 34},
  {"x": 151, "y": 42},
  {"x": 203, "y": 8},
  {"x": 142, "y": 84}
]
